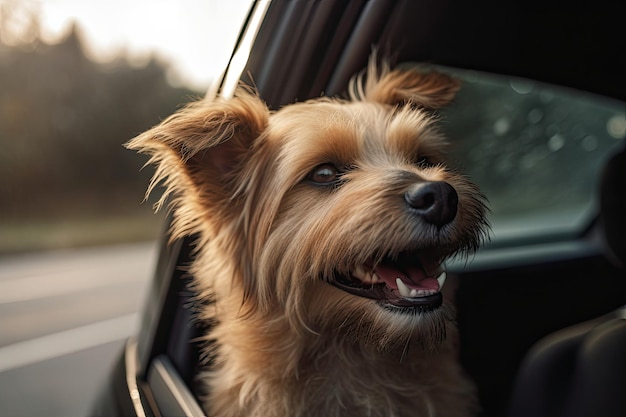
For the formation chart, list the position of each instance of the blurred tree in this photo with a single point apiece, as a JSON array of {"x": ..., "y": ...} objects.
[
  {"x": 19, "y": 22},
  {"x": 63, "y": 120}
]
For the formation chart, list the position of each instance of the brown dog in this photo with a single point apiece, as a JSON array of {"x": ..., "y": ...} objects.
[{"x": 322, "y": 231}]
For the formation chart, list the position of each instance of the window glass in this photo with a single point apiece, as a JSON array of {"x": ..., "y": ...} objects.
[{"x": 535, "y": 150}]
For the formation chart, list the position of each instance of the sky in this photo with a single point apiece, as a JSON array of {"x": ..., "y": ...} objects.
[{"x": 195, "y": 36}]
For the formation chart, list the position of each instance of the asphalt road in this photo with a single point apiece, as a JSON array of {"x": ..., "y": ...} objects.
[{"x": 64, "y": 316}]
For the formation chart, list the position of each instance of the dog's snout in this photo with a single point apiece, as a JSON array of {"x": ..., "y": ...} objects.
[{"x": 436, "y": 202}]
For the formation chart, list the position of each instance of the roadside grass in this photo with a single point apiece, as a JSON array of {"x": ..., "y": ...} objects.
[{"x": 20, "y": 235}]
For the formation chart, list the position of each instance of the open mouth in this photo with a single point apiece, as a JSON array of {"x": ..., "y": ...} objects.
[{"x": 405, "y": 284}]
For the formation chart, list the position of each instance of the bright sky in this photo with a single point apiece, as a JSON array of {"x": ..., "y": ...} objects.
[{"x": 195, "y": 36}]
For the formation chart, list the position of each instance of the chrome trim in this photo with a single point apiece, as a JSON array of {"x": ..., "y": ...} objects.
[
  {"x": 170, "y": 392},
  {"x": 130, "y": 359},
  {"x": 241, "y": 55}
]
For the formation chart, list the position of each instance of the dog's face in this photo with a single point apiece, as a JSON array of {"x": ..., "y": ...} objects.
[{"x": 335, "y": 214}]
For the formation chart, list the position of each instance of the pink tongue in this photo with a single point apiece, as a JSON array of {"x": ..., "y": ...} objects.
[{"x": 414, "y": 278}]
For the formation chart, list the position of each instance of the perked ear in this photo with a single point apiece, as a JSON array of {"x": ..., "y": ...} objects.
[
  {"x": 199, "y": 148},
  {"x": 431, "y": 89}
]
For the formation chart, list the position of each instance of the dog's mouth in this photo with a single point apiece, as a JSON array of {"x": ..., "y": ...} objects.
[{"x": 408, "y": 283}]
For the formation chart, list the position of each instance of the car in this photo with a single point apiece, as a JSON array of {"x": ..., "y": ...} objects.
[{"x": 539, "y": 124}]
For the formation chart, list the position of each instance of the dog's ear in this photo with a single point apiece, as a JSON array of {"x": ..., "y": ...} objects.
[
  {"x": 423, "y": 88},
  {"x": 200, "y": 148}
]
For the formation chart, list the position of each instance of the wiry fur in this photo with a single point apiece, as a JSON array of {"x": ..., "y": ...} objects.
[{"x": 286, "y": 342}]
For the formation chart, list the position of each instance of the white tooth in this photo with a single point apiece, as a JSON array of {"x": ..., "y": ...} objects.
[
  {"x": 441, "y": 279},
  {"x": 368, "y": 278},
  {"x": 402, "y": 288},
  {"x": 375, "y": 278},
  {"x": 359, "y": 273},
  {"x": 414, "y": 293}
]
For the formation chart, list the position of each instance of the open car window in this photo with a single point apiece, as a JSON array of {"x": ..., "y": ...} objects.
[{"x": 536, "y": 151}]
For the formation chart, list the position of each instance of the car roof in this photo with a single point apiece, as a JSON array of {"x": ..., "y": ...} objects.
[{"x": 578, "y": 45}]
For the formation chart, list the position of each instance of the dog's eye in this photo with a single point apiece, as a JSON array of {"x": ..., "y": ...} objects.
[
  {"x": 425, "y": 161},
  {"x": 324, "y": 174}
]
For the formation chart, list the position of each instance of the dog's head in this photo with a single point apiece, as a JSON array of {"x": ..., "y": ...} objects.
[{"x": 335, "y": 213}]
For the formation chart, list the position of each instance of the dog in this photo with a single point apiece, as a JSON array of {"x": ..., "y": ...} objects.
[{"x": 322, "y": 230}]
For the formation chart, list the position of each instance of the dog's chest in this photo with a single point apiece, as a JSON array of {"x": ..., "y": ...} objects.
[{"x": 348, "y": 383}]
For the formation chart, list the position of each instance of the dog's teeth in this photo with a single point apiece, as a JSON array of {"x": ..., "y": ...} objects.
[
  {"x": 375, "y": 278},
  {"x": 414, "y": 293},
  {"x": 359, "y": 273},
  {"x": 441, "y": 279},
  {"x": 402, "y": 288}
]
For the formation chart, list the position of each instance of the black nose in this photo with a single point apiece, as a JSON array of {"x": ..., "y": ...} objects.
[{"x": 436, "y": 202}]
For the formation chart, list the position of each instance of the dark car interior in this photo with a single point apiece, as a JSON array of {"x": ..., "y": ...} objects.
[
  {"x": 541, "y": 316},
  {"x": 580, "y": 370}
]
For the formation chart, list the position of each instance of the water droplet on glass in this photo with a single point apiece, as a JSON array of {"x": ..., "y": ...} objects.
[
  {"x": 521, "y": 86},
  {"x": 546, "y": 96},
  {"x": 589, "y": 143},
  {"x": 535, "y": 116},
  {"x": 616, "y": 126},
  {"x": 501, "y": 126},
  {"x": 556, "y": 142}
]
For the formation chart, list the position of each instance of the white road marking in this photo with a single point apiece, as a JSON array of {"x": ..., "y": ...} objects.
[
  {"x": 60, "y": 283},
  {"x": 38, "y": 276},
  {"x": 68, "y": 341}
]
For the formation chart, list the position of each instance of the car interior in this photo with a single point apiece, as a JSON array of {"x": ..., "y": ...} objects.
[{"x": 540, "y": 126}]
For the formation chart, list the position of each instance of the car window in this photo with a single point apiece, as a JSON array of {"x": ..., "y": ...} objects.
[{"x": 535, "y": 150}]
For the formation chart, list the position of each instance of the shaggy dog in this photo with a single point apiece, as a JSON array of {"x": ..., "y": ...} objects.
[{"x": 322, "y": 231}]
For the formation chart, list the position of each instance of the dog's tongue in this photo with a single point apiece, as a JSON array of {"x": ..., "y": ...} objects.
[{"x": 414, "y": 278}]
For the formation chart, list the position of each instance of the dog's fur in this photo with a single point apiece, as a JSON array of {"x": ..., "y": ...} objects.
[{"x": 276, "y": 229}]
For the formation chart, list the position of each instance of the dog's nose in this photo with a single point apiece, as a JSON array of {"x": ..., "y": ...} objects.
[{"x": 436, "y": 202}]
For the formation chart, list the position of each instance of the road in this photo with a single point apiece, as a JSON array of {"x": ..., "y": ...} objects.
[{"x": 63, "y": 318}]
